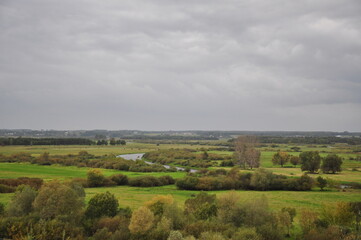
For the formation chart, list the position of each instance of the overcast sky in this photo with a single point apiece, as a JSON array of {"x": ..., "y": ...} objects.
[{"x": 180, "y": 65}]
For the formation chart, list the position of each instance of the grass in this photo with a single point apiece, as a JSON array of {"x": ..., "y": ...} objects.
[
  {"x": 135, "y": 196},
  {"x": 15, "y": 170}
]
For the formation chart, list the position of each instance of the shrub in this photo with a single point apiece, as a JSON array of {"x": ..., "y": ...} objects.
[
  {"x": 6, "y": 189},
  {"x": 119, "y": 179}
]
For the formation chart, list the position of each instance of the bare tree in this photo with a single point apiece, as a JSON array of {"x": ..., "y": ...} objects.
[{"x": 246, "y": 154}]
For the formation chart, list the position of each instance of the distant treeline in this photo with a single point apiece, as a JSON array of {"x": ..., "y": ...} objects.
[
  {"x": 310, "y": 140},
  {"x": 169, "y": 137},
  {"x": 57, "y": 141},
  {"x": 45, "y": 141}
]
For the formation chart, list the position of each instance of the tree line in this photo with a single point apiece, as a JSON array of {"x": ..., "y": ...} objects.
[
  {"x": 57, "y": 141},
  {"x": 310, "y": 161},
  {"x": 261, "y": 179}
]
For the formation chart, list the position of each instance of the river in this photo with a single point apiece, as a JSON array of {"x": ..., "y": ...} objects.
[{"x": 138, "y": 156}]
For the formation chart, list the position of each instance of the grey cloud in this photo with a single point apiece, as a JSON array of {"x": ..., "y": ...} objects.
[{"x": 248, "y": 65}]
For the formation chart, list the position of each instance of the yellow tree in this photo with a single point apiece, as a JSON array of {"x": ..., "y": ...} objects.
[{"x": 141, "y": 221}]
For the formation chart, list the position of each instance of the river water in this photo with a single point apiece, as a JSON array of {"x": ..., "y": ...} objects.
[{"x": 138, "y": 156}]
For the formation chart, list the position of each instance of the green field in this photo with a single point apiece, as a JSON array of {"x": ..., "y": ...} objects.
[
  {"x": 15, "y": 170},
  {"x": 136, "y": 196}
]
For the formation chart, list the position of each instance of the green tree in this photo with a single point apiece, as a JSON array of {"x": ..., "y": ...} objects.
[
  {"x": 57, "y": 199},
  {"x": 247, "y": 234},
  {"x": 112, "y": 141},
  {"x": 280, "y": 158},
  {"x": 227, "y": 207},
  {"x": 310, "y": 161},
  {"x": 44, "y": 158},
  {"x": 295, "y": 160},
  {"x": 102, "y": 204},
  {"x": 95, "y": 178},
  {"x": 291, "y": 212},
  {"x": 355, "y": 208},
  {"x": 203, "y": 206},
  {"x": 211, "y": 236},
  {"x": 331, "y": 163},
  {"x": 175, "y": 235},
  {"x": 21, "y": 202},
  {"x": 205, "y": 155},
  {"x": 2, "y": 209},
  {"x": 261, "y": 179},
  {"x": 321, "y": 182}
]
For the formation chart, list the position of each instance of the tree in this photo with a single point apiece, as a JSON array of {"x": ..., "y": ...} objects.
[
  {"x": 261, "y": 179},
  {"x": 331, "y": 163},
  {"x": 280, "y": 158},
  {"x": 246, "y": 153},
  {"x": 158, "y": 203},
  {"x": 308, "y": 220},
  {"x": 321, "y": 182},
  {"x": 310, "y": 161},
  {"x": 95, "y": 178},
  {"x": 175, "y": 235},
  {"x": 205, "y": 155},
  {"x": 44, "y": 158},
  {"x": 112, "y": 141},
  {"x": 142, "y": 220},
  {"x": 102, "y": 204},
  {"x": 2, "y": 209},
  {"x": 57, "y": 199},
  {"x": 203, "y": 206},
  {"x": 355, "y": 208},
  {"x": 291, "y": 212},
  {"x": 295, "y": 160},
  {"x": 285, "y": 219},
  {"x": 227, "y": 207},
  {"x": 247, "y": 234},
  {"x": 211, "y": 236},
  {"x": 21, "y": 202}
]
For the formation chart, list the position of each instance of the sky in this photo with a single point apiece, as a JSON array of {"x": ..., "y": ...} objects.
[{"x": 181, "y": 65}]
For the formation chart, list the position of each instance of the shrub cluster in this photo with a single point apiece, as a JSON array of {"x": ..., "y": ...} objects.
[
  {"x": 95, "y": 178},
  {"x": 261, "y": 179},
  {"x": 150, "y": 181},
  {"x": 84, "y": 159},
  {"x": 185, "y": 157},
  {"x": 10, "y": 185}
]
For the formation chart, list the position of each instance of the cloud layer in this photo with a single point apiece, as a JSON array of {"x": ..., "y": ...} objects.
[{"x": 160, "y": 65}]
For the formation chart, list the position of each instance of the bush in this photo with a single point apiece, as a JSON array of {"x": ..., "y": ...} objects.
[
  {"x": 119, "y": 179},
  {"x": 32, "y": 182},
  {"x": 150, "y": 181},
  {"x": 6, "y": 189}
]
